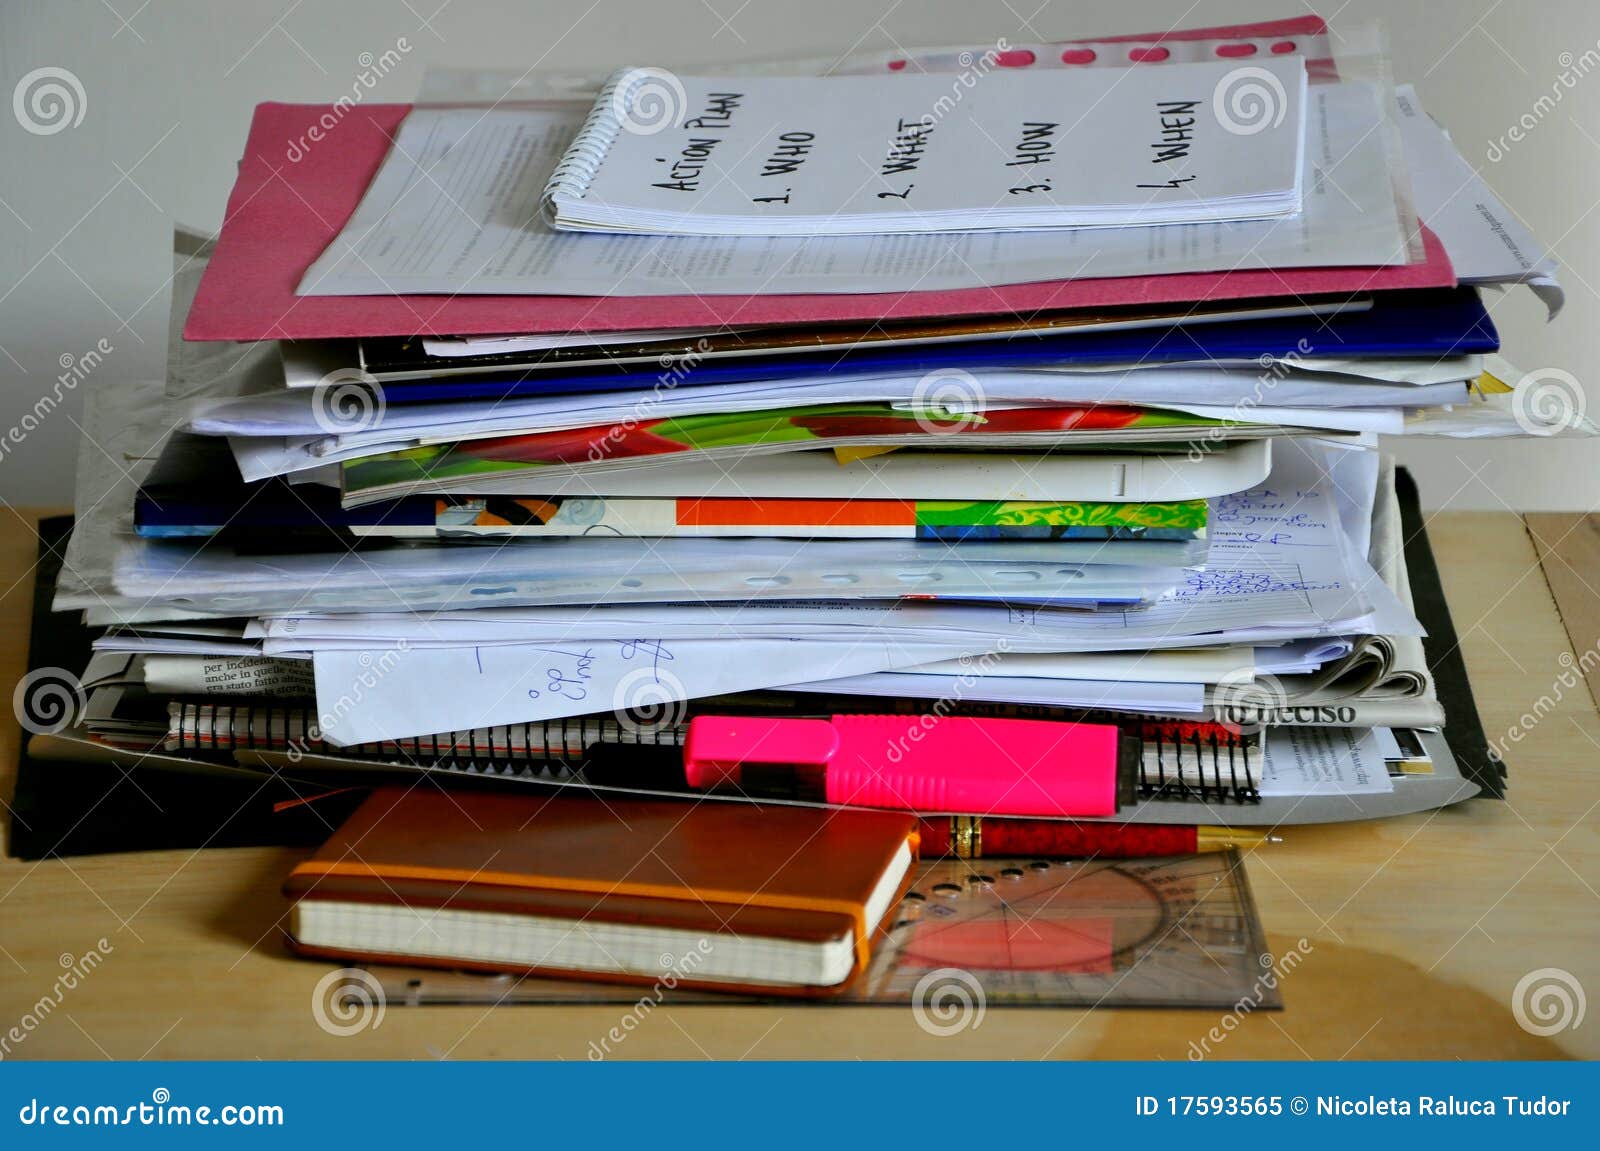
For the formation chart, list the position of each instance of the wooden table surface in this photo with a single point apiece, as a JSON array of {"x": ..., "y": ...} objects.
[{"x": 1419, "y": 928}]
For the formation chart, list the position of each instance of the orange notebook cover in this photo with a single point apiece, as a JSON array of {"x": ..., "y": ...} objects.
[{"x": 772, "y": 899}]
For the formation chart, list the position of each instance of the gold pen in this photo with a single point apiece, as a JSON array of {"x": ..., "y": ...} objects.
[{"x": 1222, "y": 838}]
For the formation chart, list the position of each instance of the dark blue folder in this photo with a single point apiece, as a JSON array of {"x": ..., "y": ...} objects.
[{"x": 1424, "y": 325}]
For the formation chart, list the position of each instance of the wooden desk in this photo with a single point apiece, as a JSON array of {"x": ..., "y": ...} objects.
[{"x": 1419, "y": 927}]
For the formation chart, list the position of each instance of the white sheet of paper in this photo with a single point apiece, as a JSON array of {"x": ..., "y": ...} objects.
[
  {"x": 1323, "y": 761},
  {"x": 1355, "y": 480},
  {"x": 1486, "y": 243},
  {"x": 1183, "y": 666},
  {"x": 1300, "y": 655},
  {"x": 1388, "y": 745},
  {"x": 396, "y": 693},
  {"x": 261, "y": 457},
  {"x": 1136, "y": 475},
  {"x": 450, "y": 347},
  {"x": 1375, "y": 369},
  {"x": 1103, "y": 695},
  {"x": 586, "y": 570},
  {"x": 1377, "y": 421},
  {"x": 484, "y": 235}
]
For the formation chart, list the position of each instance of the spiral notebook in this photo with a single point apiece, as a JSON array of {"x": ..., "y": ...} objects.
[
  {"x": 884, "y": 154},
  {"x": 1179, "y": 760}
]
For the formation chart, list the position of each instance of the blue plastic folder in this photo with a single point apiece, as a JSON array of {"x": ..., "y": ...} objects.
[{"x": 1424, "y": 325}]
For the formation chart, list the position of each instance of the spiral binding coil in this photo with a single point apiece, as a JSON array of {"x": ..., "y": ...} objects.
[
  {"x": 576, "y": 170},
  {"x": 558, "y": 744},
  {"x": 1217, "y": 751}
]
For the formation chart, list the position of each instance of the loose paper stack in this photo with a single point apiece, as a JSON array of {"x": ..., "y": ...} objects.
[{"x": 435, "y": 485}]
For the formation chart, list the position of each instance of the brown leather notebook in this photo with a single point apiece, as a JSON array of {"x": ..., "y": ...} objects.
[{"x": 768, "y": 899}]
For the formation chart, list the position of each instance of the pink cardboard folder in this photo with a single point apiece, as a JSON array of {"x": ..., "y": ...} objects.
[{"x": 283, "y": 212}]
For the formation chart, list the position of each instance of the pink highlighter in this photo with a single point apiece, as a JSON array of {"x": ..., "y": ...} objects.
[{"x": 924, "y": 763}]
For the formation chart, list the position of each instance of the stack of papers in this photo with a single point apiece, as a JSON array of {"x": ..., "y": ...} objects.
[
  {"x": 437, "y": 181},
  {"x": 442, "y": 480}
]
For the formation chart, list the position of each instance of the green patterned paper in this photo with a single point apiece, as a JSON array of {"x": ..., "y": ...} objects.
[{"x": 1189, "y": 515}]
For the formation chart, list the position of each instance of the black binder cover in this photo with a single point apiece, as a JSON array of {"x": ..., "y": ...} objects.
[
  {"x": 1463, "y": 730},
  {"x": 62, "y": 808}
]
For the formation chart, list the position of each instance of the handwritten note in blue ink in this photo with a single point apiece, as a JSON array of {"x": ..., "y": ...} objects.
[{"x": 422, "y": 690}]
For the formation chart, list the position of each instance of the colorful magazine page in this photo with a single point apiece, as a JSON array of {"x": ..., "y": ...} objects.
[
  {"x": 432, "y": 467},
  {"x": 557, "y": 516}
]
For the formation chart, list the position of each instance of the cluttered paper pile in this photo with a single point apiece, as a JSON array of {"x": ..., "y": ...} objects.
[{"x": 597, "y": 444}]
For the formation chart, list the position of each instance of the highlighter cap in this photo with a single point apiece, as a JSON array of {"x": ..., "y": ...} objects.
[{"x": 760, "y": 755}]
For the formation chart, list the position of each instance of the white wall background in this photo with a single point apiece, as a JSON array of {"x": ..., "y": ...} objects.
[{"x": 86, "y": 213}]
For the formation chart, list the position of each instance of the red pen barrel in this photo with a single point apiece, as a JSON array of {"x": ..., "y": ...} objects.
[{"x": 981, "y": 837}]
